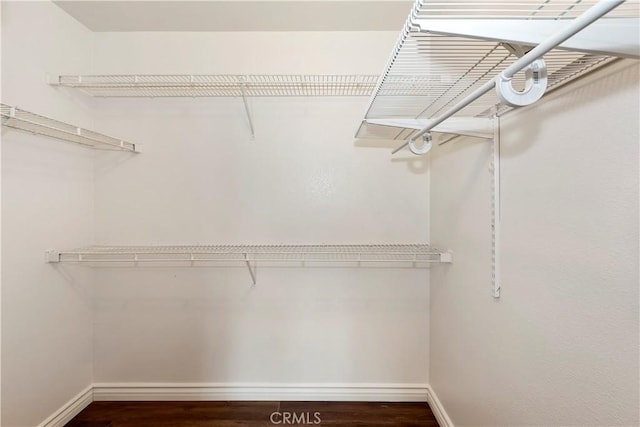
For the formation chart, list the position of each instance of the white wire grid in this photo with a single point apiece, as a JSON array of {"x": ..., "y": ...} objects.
[
  {"x": 41, "y": 125},
  {"x": 515, "y": 9},
  {"x": 428, "y": 73},
  {"x": 407, "y": 253},
  {"x": 221, "y": 85}
]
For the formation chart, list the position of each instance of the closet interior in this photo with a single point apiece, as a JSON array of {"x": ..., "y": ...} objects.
[{"x": 280, "y": 210}]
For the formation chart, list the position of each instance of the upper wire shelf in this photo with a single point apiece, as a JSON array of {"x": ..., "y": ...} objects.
[
  {"x": 30, "y": 122},
  {"x": 220, "y": 85},
  {"x": 405, "y": 253},
  {"x": 516, "y": 9},
  {"x": 448, "y": 49}
]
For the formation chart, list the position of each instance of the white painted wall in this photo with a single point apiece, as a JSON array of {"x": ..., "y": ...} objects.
[
  {"x": 561, "y": 345},
  {"x": 47, "y": 202},
  {"x": 201, "y": 179},
  {"x": 308, "y": 52}
]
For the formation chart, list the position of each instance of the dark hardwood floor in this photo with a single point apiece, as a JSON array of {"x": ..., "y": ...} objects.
[{"x": 253, "y": 414}]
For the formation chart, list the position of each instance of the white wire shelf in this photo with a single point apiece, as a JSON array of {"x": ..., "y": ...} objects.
[
  {"x": 409, "y": 253},
  {"x": 517, "y": 9},
  {"x": 430, "y": 71},
  {"x": 220, "y": 85},
  {"x": 40, "y": 125}
]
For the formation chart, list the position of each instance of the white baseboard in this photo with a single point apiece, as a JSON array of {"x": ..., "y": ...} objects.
[
  {"x": 69, "y": 409},
  {"x": 437, "y": 409},
  {"x": 241, "y": 391},
  {"x": 270, "y": 391}
]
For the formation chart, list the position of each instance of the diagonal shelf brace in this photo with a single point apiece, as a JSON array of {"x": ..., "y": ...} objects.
[
  {"x": 479, "y": 127},
  {"x": 608, "y": 36},
  {"x": 246, "y": 107},
  {"x": 252, "y": 271}
]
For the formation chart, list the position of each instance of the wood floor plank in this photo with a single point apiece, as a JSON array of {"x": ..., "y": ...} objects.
[
  {"x": 365, "y": 413},
  {"x": 253, "y": 414}
]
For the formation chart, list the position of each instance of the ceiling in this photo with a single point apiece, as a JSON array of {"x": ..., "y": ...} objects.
[{"x": 239, "y": 15}]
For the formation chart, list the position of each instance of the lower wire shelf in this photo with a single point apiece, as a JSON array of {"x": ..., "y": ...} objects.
[
  {"x": 406, "y": 255},
  {"x": 418, "y": 253}
]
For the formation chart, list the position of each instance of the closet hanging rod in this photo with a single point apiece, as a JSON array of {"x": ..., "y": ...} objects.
[{"x": 585, "y": 19}]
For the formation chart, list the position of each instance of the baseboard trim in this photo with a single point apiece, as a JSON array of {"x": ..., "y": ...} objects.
[
  {"x": 240, "y": 391},
  {"x": 70, "y": 409},
  {"x": 437, "y": 408}
]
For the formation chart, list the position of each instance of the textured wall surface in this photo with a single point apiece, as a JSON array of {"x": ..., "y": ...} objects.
[
  {"x": 303, "y": 179},
  {"x": 201, "y": 179},
  {"x": 560, "y": 347},
  {"x": 47, "y": 202}
]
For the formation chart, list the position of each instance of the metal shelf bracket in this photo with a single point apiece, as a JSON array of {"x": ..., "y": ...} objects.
[
  {"x": 252, "y": 271},
  {"x": 243, "y": 89}
]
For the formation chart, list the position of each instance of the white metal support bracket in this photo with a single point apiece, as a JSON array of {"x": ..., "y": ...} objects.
[
  {"x": 495, "y": 209},
  {"x": 246, "y": 105},
  {"x": 252, "y": 271}
]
